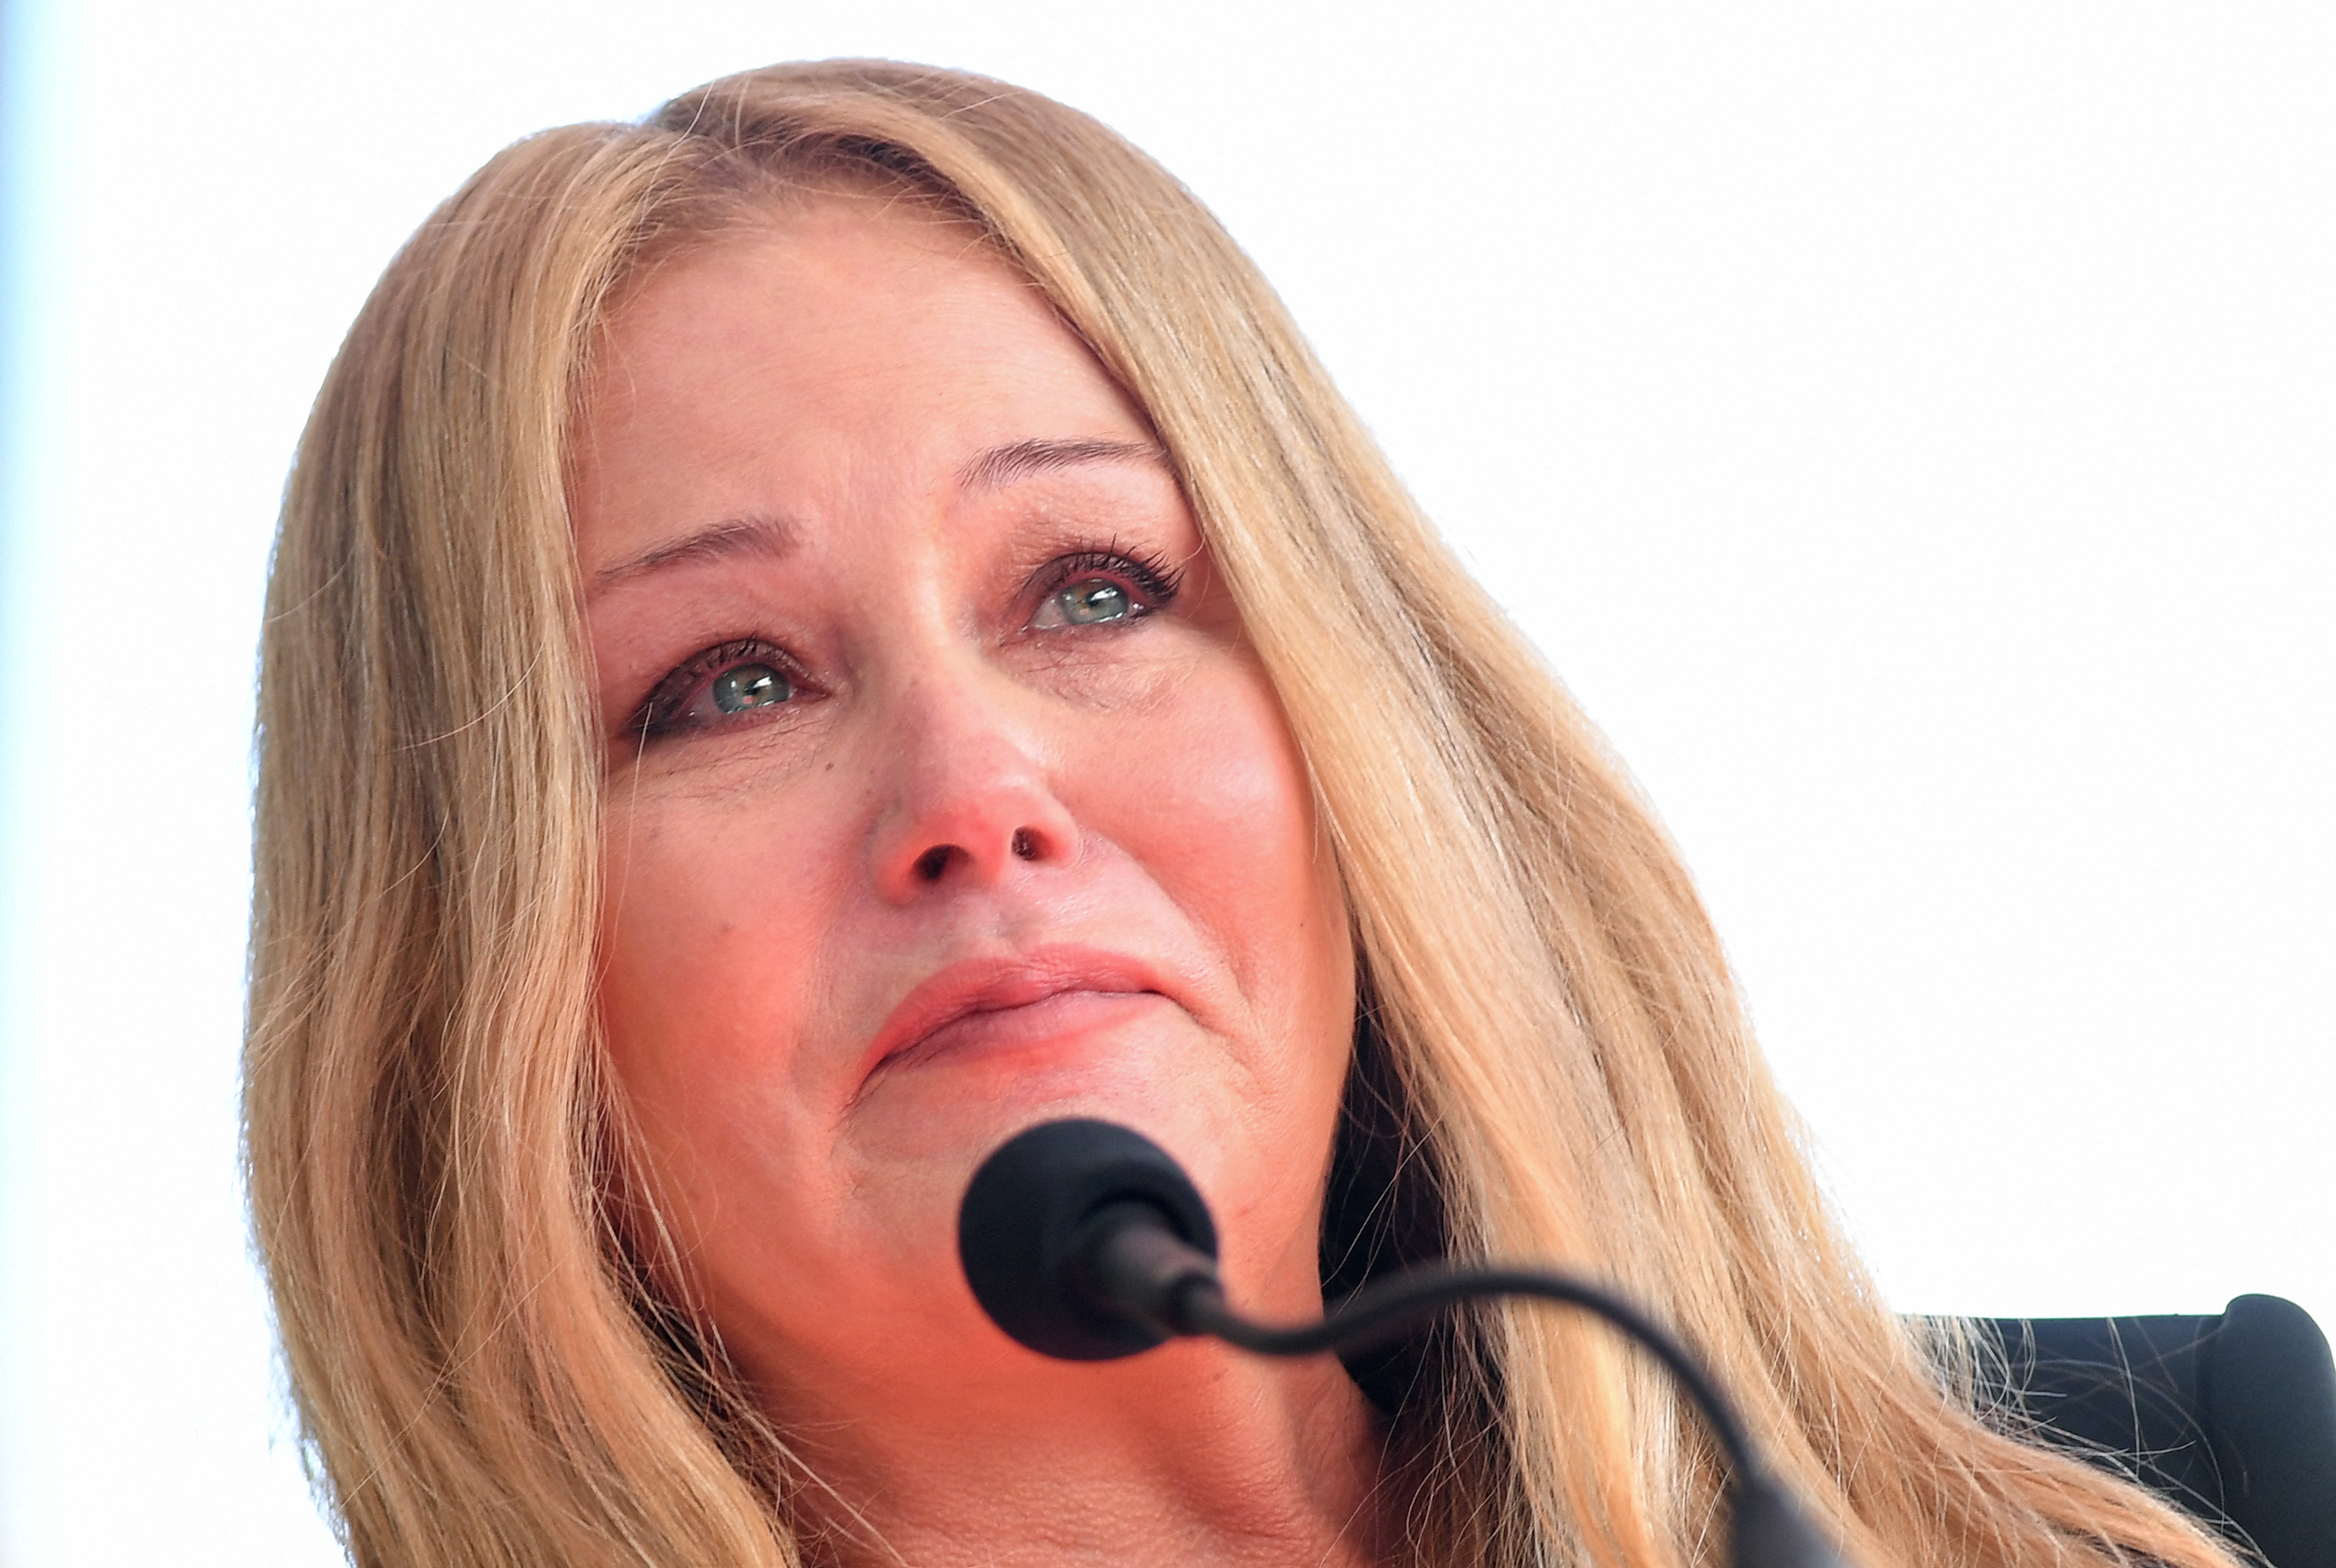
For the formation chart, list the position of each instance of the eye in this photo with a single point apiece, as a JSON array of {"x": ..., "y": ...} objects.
[
  {"x": 1098, "y": 587},
  {"x": 749, "y": 685},
  {"x": 1083, "y": 604},
  {"x": 719, "y": 686}
]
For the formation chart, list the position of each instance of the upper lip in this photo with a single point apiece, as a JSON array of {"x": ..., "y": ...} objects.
[{"x": 983, "y": 985}]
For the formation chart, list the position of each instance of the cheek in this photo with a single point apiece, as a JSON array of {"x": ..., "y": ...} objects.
[
  {"x": 1219, "y": 808},
  {"x": 706, "y": 980},
  {"x": 1214, "y": 801}
]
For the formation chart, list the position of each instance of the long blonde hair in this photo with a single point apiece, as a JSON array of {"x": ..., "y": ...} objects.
[{"x": 1553, "y": 1061}]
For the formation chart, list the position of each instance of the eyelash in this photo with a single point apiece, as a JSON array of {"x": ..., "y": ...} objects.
[
  {"x": 1155, "y": 578},
  {"x": 660, "y": 713}
]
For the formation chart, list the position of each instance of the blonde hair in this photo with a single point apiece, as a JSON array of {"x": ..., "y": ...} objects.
[{"x": 1553, "y": 1061}]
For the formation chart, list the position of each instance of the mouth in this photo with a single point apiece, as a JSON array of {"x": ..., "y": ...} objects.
[{"x": 1028, "y": 998}]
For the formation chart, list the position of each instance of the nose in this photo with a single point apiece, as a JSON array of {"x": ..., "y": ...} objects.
[{"x": 972, "y": 800}]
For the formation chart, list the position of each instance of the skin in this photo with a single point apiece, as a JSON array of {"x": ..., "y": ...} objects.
[{"x": 1028, "y": 838}]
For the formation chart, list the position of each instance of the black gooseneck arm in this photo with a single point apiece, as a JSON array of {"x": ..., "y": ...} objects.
[{"x": 1130, "y": 1265}]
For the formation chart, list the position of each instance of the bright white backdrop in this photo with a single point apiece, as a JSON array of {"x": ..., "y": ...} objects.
[{"x": 1911, "y": 430}]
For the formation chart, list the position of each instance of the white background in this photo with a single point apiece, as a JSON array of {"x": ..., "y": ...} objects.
[{"x": 1911, "y": 430}]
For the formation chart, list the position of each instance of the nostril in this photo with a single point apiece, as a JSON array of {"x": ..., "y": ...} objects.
[{"x": 939, "y": 860}]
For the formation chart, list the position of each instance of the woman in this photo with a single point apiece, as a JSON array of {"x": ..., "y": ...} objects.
[{"x": 815, "y": 632}]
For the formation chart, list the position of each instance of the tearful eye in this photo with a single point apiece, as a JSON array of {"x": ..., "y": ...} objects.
[
  {"x": 1083, "y": 603},
  {"x": 749, "y": 685},
  {"x": 1101, "y": 587},
  {"x": 730, "y": 680}
]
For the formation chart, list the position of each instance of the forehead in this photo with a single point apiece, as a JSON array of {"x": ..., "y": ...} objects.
[
  {"x": 839, "y": 314},
  {"x": 844, "y": 367}
]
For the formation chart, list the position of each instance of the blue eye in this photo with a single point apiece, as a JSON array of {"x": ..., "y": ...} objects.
[
  {"x": 749, "y": 685},
  {"x": 1087, "y": 603},
  {"x": 727, "y": 681},
  {"x": 1099, "y": 587}
]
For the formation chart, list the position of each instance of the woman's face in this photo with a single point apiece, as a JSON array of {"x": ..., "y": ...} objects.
[{"x": 946, "y": 796}]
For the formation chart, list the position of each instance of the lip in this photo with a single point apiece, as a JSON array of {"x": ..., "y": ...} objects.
[{"x": 996, "y": 985}]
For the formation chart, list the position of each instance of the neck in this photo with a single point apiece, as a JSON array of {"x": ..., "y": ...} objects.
[{"x": 1190, "y": 1454}]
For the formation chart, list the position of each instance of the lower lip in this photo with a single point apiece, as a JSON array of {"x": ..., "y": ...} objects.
[{"x": 1061, "y": 1018}]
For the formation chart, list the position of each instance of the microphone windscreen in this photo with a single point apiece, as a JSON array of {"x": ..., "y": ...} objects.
[{"x": 1025, "y": 1220}]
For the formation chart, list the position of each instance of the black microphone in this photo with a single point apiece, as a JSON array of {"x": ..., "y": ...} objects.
[{"x": 1086, "y": 1241}]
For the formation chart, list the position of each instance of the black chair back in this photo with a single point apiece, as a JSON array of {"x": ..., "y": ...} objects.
[{"x": 2231, "y": 1417}]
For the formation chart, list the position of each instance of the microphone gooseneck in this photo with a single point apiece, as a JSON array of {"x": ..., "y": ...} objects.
[{"x": 1086, "y": 1241}]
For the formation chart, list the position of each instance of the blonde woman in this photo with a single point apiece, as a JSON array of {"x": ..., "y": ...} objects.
[{"x": 817, "y": 631}]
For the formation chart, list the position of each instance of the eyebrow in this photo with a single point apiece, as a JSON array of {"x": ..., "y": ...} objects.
[
  {"x": 773, "y": 538},
  {"x": 1019, "y": 460},
  {"x": 770, "y": 537}
]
